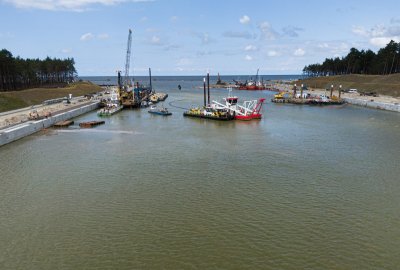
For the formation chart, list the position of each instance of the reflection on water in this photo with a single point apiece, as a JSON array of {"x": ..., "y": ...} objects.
[
  {"x": 303, "y": 188},
  {"x": 96, "y": 131}
]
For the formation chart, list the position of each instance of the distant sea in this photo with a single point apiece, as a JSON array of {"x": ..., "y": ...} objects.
[{"x": 112, "y": 80}]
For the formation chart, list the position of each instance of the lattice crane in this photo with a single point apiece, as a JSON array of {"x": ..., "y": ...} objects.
[{"x": 128, "y": 59}]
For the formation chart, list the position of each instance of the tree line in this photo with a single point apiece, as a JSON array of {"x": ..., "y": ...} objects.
[
  {"x": 385, "y": 61},
  {"x": 17, "y": 73}
]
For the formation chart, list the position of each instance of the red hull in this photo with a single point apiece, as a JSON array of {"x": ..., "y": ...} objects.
[
  {"x": 248, "y": 117},
  {"x": 252, "y": 88}
]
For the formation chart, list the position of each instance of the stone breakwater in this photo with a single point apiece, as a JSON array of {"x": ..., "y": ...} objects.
[{"x": 19, "y": 131}]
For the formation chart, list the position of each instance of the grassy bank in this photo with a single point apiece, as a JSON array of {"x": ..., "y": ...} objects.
[
  {"x": 23, "y": 98},
  {"x": 383, "y": 85}
]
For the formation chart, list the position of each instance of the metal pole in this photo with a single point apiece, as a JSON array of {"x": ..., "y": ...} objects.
[
  {"x": 208, "y": 87},
  {"x": 204, "y": 84},
  {"x": 151, "y": 87}
]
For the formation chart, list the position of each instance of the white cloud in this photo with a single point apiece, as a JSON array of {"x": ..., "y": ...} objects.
[
  {"x": 359, "y": 30},
  {"x": 103, "y": 36},
  {"x": 291, "y": 31},
  {"x": 66, "y": 51},
  {"x": 323, "y": 45},
  {"x": 174, "y": 18},
  {"x": 244, "y": 20},
  {"x": 151, "y": 30},
  {"x": 248, "y": 58},
  {"x": 155, "y": 40},
  {"x": 272, "y": 53},
  {"x": 204, "y": 37},
  {"x": 299, "y": 52},
  {"x": 87, "y": 36},
  {"x": 232, "y": 34},
  {"x": 6, "y": 35},
  {"x": 383, "y": 41},
  {"x": 184, "y": 62},
  {"x": 72, "y": 5},
  {"x": 250, "y": 48},
  {"x": 266, "y": 31},
  {"x": 90, "y": 36},
  {"x": 379, "y": 35}
]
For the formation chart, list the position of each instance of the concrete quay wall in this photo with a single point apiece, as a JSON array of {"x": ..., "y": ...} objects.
[
  {"x": 25, "y": 129},
  {"x": 373, "y": 104}
]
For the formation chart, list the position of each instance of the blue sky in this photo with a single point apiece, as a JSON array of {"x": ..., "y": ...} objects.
[{"x": 177, "y": 37}]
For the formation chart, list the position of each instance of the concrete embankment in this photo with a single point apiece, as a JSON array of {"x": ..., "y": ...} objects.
[
  {"x": 27, "y": 128},
  {"x": 381, "y": 102},
  {"x": 373, "y": 104}
]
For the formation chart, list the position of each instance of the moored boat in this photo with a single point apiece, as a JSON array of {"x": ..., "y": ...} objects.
[
  {"x": 159, "y": 111},
  {"x": 109, "y": 109},
  {"x": 112, "y": 106}
]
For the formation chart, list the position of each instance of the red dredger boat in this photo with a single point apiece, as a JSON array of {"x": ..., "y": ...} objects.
[
  {"x": 252, "y": 85},
  {"x": 249, "y": 110}
]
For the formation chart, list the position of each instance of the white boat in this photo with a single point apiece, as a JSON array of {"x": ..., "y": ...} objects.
[
  {"x": 112, "y": 106},
  {"x": 109, "y": 109}
]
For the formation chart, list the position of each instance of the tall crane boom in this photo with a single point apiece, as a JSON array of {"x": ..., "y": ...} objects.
[{"x": 128, "y": 58}]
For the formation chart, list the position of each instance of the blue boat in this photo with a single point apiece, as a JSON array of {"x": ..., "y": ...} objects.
[{"x": 162, "y": 111}]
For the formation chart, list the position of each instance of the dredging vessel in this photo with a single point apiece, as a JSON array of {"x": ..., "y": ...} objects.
[
  {"x": 249, "y": 110},
  {"x": 231, "y": 110}
]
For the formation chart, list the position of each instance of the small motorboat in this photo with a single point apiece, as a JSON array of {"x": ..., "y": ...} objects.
[{"x": 159, "y": 111}]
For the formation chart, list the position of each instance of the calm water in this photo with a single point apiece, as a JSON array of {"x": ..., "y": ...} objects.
[{"x": 304, "y": 188}]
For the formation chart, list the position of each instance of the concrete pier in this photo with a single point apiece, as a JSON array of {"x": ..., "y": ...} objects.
[
  {"x": 373, "y": 104},
  {"x": 19, "y": 131}
]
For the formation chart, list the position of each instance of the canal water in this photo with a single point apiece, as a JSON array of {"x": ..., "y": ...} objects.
[{"x": 303, "y": 188}]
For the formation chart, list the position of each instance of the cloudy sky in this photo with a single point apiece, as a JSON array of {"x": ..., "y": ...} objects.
[{"x": 178, "y": 37}]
